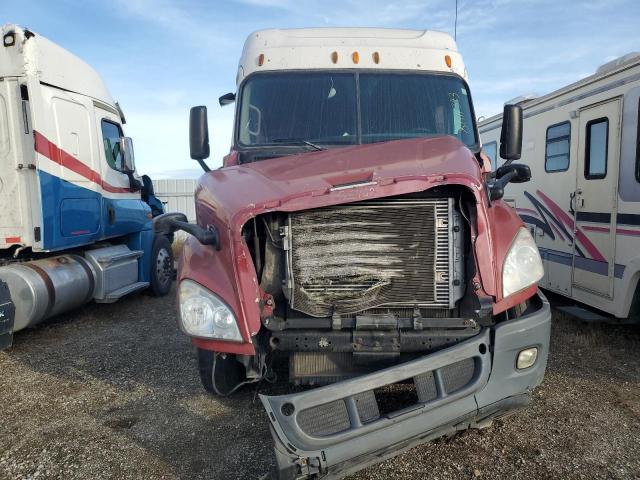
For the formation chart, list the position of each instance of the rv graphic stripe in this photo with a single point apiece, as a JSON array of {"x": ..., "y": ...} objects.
[
  {"x": 629, "y": 218},
  {"x": 44, "y": 147},
  {"x": 554, "y": 225},
  {"x": 581, "y": 263},
  {"x": 594, "y": 217},
  {"x": 566, "y": 219}
]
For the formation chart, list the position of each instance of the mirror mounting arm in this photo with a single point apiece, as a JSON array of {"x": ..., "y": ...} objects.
[
  {"x": 134, "y": 184},
  {"x": 203, "y": 164},
  {"x": 496, "y": 189},
  {"x": 516, "y": 173},
  {"x": 168, "y": 223}
]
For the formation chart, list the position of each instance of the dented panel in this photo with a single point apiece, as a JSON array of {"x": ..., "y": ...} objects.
[{"x": 332, "y": 431}]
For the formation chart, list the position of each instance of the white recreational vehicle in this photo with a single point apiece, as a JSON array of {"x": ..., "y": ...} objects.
[{"x": 582, "y": 143}]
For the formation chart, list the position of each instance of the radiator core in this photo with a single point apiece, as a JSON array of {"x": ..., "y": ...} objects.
[{"x": 348, "y": 258}]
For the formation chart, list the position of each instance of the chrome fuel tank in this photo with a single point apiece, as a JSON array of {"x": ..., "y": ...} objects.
[{"x": 43, "y": 288}]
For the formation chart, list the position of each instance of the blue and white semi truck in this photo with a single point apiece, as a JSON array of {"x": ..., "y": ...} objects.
[{"x": 75, "y": 217}]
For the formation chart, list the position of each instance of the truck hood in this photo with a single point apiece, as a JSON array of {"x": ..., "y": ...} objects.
[
  {"x": 231, "y": 195},
  {"x": 227, "y": 198}
]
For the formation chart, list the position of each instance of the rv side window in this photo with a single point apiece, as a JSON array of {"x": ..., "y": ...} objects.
[
  {"x": 595, "y": 156},
  {"x": 111, "y": 134},
  {"x": 557, "y": 148},
  {"x": 491, "y": 149}
]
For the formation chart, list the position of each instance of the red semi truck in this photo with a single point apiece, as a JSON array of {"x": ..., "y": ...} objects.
[{"x": 357, "y": 232}]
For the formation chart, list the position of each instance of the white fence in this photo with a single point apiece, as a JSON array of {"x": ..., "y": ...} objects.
[{"x": 178, "y": 195}]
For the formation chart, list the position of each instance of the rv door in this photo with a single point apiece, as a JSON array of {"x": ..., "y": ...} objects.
[{"x": 595, "y": 200}]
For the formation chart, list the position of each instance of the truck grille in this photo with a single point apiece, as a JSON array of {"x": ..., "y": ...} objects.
[{"x": 349, "y": 258}]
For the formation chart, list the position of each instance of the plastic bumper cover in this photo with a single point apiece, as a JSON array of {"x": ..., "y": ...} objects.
[{"x": 338, "y": 429}]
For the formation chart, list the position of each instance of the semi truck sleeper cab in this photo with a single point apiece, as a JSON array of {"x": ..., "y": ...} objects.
[
  {"x": 74, "y": 226},
  {"x": 357, "y": 237}
]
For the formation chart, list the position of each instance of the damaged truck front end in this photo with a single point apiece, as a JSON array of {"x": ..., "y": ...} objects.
[
  {"x": 338, "y": 429},
  {"x": 387, "y": 293},
  {"x": 356, "y": 241}
]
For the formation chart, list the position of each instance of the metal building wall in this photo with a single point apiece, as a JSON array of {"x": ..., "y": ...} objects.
[{"x": 178, "y": 195}]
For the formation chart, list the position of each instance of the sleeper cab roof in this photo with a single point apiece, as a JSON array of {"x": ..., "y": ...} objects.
[
  {"x": 333, "y": 48},
  {"x": 34, "y": 55}
]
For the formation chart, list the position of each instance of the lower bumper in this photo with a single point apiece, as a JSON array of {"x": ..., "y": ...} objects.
[{"x": 338, "y": 429}]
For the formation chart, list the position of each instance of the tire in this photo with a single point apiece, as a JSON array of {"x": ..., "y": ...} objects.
[
  {"x": 162, "y": 271},
  {"x": 221, "y": 374}
]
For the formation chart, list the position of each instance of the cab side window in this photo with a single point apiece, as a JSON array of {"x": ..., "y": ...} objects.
[{"x": 111, "y": 134}]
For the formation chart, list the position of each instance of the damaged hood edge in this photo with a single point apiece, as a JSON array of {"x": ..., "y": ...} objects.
[{"x": 232, "y": 195}]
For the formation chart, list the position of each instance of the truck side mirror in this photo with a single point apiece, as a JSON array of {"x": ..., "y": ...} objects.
[
  {"x": 128, "y": 159},
  {"x": 199, "y": 133},
  {"x": 227, "y": 99},
  {"x": 128, "y": 163},
  {"x": 511, "y": 133}
]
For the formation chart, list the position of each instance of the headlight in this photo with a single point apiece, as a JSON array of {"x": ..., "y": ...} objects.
[
  {"x": 203, "y": 314},
  {"x": 522, "y": 266}
]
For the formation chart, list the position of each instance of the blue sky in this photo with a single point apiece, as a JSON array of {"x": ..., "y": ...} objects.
[{"x": 159, "y": 57}]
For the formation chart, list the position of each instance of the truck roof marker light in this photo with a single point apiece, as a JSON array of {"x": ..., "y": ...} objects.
[
  {"x": 376, "y": 57},
  {"x": 355, "y": 56},
  {"x": 334, "y": 57},
  {"x": 261, "y": 59},
  {"x": 447, "y": 60}
]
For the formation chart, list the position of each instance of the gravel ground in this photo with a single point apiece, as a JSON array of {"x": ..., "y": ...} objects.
[{"x": 111, "y": 391}]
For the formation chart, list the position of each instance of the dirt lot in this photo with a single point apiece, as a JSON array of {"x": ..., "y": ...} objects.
[{"x": 111, "y": 391}]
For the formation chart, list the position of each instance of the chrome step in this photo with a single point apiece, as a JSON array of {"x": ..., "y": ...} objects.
[
  {"x": 110, "y": 259},
  {"x": 121, "y": 292}
]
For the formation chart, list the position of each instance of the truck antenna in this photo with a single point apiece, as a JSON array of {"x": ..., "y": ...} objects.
[{"x": 455, "y": 24}]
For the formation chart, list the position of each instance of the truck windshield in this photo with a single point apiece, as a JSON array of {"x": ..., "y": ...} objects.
[{"x": 338, "y": 108}]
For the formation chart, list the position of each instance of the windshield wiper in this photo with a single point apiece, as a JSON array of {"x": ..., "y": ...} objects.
[{"x": 297, "y": 141}]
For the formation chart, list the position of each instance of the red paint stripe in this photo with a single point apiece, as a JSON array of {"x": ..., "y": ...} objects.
[
  {"x": 567, "y": 220},
  {"x": 55, "y": 154},
  {"x": 619, "y": 231},
  {"x": 596, "y": 229},
  {"x": 624, "y": 231},
  {"x": 13, "y": 240}
]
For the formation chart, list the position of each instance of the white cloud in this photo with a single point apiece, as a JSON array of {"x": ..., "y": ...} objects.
[{"x": 184, "y": 23}]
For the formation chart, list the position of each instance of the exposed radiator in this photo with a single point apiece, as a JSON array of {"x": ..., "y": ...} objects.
[{"x": 349, "y": 258}]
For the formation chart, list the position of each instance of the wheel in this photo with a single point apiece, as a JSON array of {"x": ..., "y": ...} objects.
[
  {"x": 162, "y": 270},
  {"x": 220, "y": 373}
]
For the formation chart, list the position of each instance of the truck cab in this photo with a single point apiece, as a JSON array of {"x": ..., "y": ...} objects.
[
  {"x": 357, "y": 236},
  {"x": 74, "y": 225}
]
